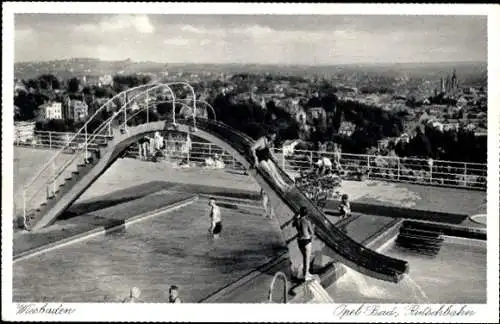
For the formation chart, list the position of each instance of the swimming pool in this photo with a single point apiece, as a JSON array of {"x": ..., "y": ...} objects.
[{"x": 172, "y": 248}]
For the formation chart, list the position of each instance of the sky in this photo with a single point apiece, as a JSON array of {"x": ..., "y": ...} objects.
[{"x": 262, "y": 39}]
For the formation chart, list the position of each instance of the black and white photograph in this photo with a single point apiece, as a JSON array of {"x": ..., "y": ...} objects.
[{"x": 232, "y": 156}]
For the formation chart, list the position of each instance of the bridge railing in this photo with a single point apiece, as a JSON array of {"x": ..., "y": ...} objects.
[
  {"x": 446, "y": 173},
  {"x": 377, "y": 167},
  {"x": 56, "y": 140},
  {"x": 174, "y": 149}
]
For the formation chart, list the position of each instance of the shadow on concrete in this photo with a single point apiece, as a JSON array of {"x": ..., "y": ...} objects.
[
  {"x": 238, "y": 172},
  {"x": 241, "y": 259},
  {"x": 374, "y": 207},
  {"x": 145, "y": 189},
  {"x": 115, "y": 198}
]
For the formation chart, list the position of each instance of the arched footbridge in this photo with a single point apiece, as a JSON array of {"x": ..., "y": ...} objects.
[{"x": 45, "y": 200}]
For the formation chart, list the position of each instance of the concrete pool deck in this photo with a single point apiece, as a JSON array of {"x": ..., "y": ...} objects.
[
  {"x": 128, "y": 172},
  {"x": 129, "y": 179}
]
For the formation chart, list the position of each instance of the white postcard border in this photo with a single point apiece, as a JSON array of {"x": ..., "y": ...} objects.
[{"x": 246, "y": 312}]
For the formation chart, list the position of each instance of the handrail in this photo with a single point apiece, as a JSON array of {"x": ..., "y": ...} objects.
[
  {"x": 48, "y": 163},
  {"x": 384, "y": 156},
  {"x": 99, "y": 129},
  {"x": 149, "y": 106},
  {"x": 95, "y": 133},
  {"x": 123, "y": 93},
  {"x": 185, "y": 105},
  {"x": 111, "y": 118},
  {"x": 285, "y": 288},
  {"x": 88, "y": 141}
]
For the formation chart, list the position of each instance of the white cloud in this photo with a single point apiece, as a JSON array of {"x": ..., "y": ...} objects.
[
  {"x": 192, "y": 29},
  {"x": 256, "y": 33},
  {"x": 178, "y": 41},
  {"x": 139, "y": 23},
  {"x": 23, "y": 33}
]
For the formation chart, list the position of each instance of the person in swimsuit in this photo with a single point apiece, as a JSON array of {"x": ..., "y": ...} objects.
[
  {"x": 215, "y": 219},
  {"x": 266, "y": 204},
  {"x": 173, "y": 293},
  {"x": 324, "y": 166},
  {"x": 143, "y": 148},
  {"x": 305, "y": 231},
  {"x": 345, "y": 207},
  {"x": 263, "y": 157},
  {"x": 337, "y": 155}
]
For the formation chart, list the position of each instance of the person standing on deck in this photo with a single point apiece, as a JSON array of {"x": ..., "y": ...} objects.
[
  {"x": 143, "y": 148},
  {"x": 266, "y": 204},
  {"x": 337, "y": 155},
  {"x": 261, "y": 151},
  {"x": 158, "y": 141},
  {"x": 215, "y": 219},
  {"x": 151, "y": 145},
  {"x": 305, "y": 231}
]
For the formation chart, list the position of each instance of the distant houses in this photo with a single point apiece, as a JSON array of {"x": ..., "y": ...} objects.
[
  {"x": 346, "y": 128},
  {"x": 78, "y": 110},
  {"x": 50, "y": 110}
]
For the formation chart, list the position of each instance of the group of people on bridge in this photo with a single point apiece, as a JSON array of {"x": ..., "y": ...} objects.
[{"x": 151, "y": 146}]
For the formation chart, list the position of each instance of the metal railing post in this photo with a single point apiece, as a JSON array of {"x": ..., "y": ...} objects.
[
  {"x": 24, "y": 205},
  {"x": 368, "y": 165},
  {"x": 285, "y": 287},
  {"x": 310, "y": 159},
  {"x": 399, "y": 168},
  {"x": 50, "y": 140},
  {"x": 194, "y": 110},
  {"x": 86, "y": 145},
  {"x": 147, "y": 106},
  {"x": 54, "y": 178},
  {"x": 125, "y": 116},
  {"x": 465, "y": 174},
  {"x": 283, "y": 159},
  {"x": 173, "y": 111},
  {"x": 209, "y": 149}
]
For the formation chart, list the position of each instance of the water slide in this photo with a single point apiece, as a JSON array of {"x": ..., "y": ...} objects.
[
  {"x": 342, "y": 247},
  {"x": 339, "y": 246}
]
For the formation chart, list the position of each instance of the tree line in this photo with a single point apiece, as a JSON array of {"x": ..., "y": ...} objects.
[{"x": 371, "y": 123}]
